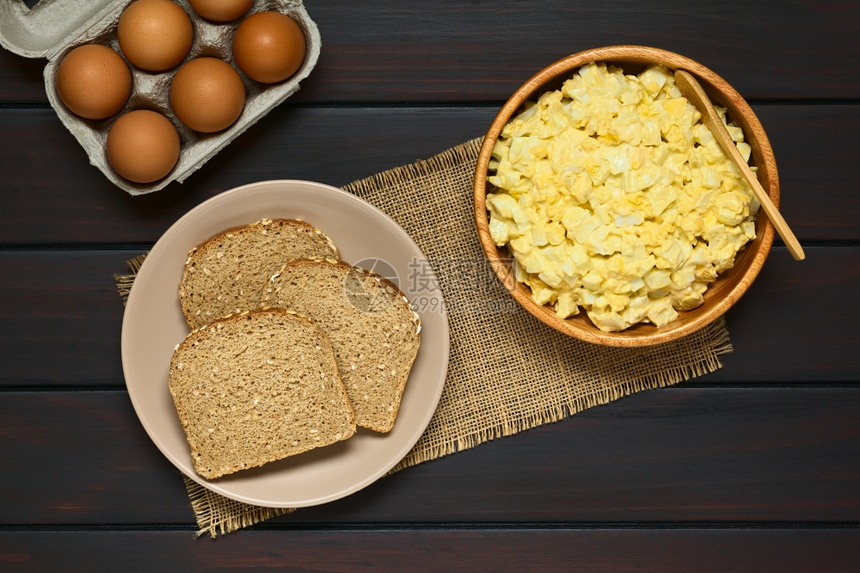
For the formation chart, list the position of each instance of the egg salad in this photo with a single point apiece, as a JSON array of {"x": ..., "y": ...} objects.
[{"x": 613, "y": 197}]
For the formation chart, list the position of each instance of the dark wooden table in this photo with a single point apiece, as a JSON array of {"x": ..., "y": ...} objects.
[{"x": 753, "y": 468}]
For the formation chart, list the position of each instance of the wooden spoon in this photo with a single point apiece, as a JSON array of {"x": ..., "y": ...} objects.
[{"x": 692, "y": 90}]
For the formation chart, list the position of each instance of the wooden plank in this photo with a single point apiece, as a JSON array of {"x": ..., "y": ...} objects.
[
  {"x": 21, "y": 79},
  {"x": 73, "y": 202},
  {"x": 818, "y": 196},
  {"x": 60, "y": 319},
  {"x": 772, "y": 325},
  {"x": 110, "y": 471},
  {"x": 672, "y": 455},
  {"x": 703, "y": 550},
  {"x": 399, "y": 50}
]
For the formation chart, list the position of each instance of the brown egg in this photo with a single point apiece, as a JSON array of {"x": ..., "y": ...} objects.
[
  {"x": 143, "y": 146},
  {"x": 155, "y": 35},
  {"x": 93, "y": 81},
  {"x": 207, "y": 95},
  {"x": 269, "y": 47},
  {"x": 221, "y": 10}
]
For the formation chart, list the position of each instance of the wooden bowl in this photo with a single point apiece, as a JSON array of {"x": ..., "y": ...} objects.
[{"x": 728, "y": 287}]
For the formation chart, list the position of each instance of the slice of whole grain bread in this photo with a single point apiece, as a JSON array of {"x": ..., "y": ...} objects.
[
  {"x": 372, "y": 327},
  {"x": 256, "y": 387},
  {"x": 224, "y": 274}
]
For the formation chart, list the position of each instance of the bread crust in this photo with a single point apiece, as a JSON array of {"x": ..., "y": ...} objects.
[
  {"x": 198, "y": 306},
  {"x": 358, "y": 383},
  {"x": 199, "y": 426}
]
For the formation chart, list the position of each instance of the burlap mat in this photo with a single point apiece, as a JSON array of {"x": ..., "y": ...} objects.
[{"x": 507, "y": 372}]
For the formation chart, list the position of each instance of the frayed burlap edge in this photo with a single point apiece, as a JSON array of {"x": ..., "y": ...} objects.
[
  {"x": 420, "y": 169},
  {"x": 715, "y": 341},
  {"x": 216, "y": 514},
  {"x": 124, "y": 282}
]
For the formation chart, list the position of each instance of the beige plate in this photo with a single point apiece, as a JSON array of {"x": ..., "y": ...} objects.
[{"x": 153, "y": 325}]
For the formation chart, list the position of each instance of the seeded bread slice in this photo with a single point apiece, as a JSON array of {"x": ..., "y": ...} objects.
[
  {"x": 224, "y": 274},
  {"x": 257, "y": 387},
  {"x": 373, "y": 330}
]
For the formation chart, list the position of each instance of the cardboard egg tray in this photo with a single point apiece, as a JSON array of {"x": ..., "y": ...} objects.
[{"x": 54, "y": 27}]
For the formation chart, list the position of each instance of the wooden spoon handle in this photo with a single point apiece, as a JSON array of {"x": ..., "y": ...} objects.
[{"x": 693, "y": 91}]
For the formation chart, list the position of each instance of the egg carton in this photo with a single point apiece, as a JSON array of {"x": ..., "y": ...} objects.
[{"x": 52, "y": 28}]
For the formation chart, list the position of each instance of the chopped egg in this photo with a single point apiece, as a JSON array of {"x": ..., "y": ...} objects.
[{"x": 614, "y": 198}]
